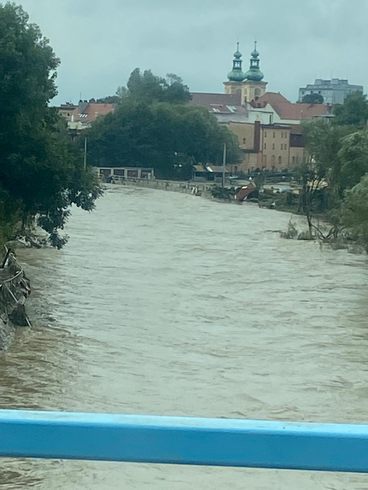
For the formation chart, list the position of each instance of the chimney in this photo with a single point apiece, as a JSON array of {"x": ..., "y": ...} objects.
[{"x": 257, "y": 136}]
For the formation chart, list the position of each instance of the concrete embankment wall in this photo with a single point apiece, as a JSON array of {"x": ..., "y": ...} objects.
[
  {"x": 14, "y": 290},
  {"x": 195, "y": 188}
]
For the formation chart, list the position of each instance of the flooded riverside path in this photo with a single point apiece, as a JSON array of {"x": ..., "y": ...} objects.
[{"x": 165, "y": 303}]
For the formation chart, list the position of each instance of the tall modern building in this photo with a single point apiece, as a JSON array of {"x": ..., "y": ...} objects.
[{"x": 333, "y": 91}]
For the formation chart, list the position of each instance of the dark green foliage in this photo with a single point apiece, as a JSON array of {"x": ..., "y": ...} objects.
[
  {"x": 355, "y": 211},
  {"x": 313, "y": 99},
  {"x": 333, "y": 177},
  {"x": 353, "y": 156},
  {"x": 147, "y": 87},
  {"x": 120, "y": 94},
  {"x": 353, "y": 112},
  {"x": 169, "y": 137},
  {"x": 41, "y": 174},
  {"x": 223, "y": 193},
  {"x": 109, "y": 99}
]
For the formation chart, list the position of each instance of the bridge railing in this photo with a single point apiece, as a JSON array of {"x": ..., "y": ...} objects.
[{"x": 184, "y": 440}]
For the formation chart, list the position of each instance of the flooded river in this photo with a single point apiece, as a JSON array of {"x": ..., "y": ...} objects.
[{"x": 166, "y": 303}]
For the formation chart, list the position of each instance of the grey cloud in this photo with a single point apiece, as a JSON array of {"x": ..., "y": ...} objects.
[{"x": 101, "y": 42}]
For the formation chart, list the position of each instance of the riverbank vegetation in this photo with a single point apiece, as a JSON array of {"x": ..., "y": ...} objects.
[
  {"x": 41, "y": 172},
  {"x": 153, "y": 126},
  {"x": 333, "y": 177}
]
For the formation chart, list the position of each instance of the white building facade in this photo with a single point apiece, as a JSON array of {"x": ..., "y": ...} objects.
[{"x": 333, "y": 91}]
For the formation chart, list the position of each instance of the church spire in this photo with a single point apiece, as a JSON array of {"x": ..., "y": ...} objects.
[
  {"x": 236, "y": 74},
  {"x": 254, "y": 73}
]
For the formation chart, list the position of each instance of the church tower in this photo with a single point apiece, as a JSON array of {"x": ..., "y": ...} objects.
[
  {"x": 253, "y": 86},
  {"x": 236, "y": 76}
]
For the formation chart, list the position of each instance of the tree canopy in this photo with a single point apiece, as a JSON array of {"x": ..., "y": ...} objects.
[
  {"x": 336, "y": 169},
  {"x": 353, "y": 112},
  {"x": 355, "y": 211},
  {"x": 41, "y": 174},
  {"x": 152, "y": 127},
  {"x": 148, "y": 87},
  {"x": 313, "y": 99}
]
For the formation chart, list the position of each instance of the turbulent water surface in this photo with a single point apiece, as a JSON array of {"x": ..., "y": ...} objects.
[{"x": 166, "y": 303}]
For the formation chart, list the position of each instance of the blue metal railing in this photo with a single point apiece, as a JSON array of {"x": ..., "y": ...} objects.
[{"x": 184, "y": 440}]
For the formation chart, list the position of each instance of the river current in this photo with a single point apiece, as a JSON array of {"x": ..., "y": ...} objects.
[{"x": 166, "y": 303}]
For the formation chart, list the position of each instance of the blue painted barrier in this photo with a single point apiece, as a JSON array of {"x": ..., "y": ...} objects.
[{"x": 184, "y": 440}]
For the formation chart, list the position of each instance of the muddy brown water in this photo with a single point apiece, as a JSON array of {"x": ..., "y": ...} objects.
[{"x": 165, "y": 303}]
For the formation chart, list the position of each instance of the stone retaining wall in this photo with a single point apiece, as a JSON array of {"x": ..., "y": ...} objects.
[
  {"x": 14, "y": 291},
  {"x": 195, "y": 188}
]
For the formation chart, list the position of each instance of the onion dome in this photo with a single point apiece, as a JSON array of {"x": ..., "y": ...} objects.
[
  {"x": 254, "y": 73},
  {"x": 236, "y": 74}
]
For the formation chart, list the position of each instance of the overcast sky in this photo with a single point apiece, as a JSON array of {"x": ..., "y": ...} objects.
[{"x": 100, "y": 42}]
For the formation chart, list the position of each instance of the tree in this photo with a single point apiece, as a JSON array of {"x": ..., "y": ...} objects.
[
  {"x": 353, "y": 112},
  {"x": 167, "y": 137},
  {"x": 41, "y": 174},
  {"x": 355, "y": 211},
  {"x": 323, "y": 141},
  {"x": 320, "y": 172},
  {"x": 120, "y": 94},
  {"x": 148, "y": 87},
  {"x": 334, "y": 175},
  {"x": 353, "y": 157},
  {"x": 313, "y": 99}
]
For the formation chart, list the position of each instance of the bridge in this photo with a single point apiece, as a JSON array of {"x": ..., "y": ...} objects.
[{"x": 184, "y": 440}]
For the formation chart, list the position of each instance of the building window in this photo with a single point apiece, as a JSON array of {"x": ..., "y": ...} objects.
[
  {"x": 244, "y": 141},
  {"x": 264, "y": 159},
  {"x": 264, "y": 146},
  {"x": 279, "y": 160},
  {"x": 274, "y": 134},
  {"x": 273, "y": 146},
  {"x": 273, "y": 158},
  {"x": 293, "y": 160}
]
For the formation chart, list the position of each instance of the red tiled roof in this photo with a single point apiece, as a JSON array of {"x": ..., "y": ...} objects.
[
  {"x": 94, "y": 110},
  {"x": 89, "y": 112},
  {"x": 271, "y": 98},
  {"x": 288, "y": 110},
  {"x": 302, "y": 111}
]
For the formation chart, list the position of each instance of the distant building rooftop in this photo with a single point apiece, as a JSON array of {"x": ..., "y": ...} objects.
[
  {"x": 289, "y": 110},
  {"x": 206, "y": 100}
]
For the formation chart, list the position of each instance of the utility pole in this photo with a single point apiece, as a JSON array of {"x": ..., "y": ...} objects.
[
  {"x": 223, "y": 166},
  {"x": 85, "y": 154}
]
